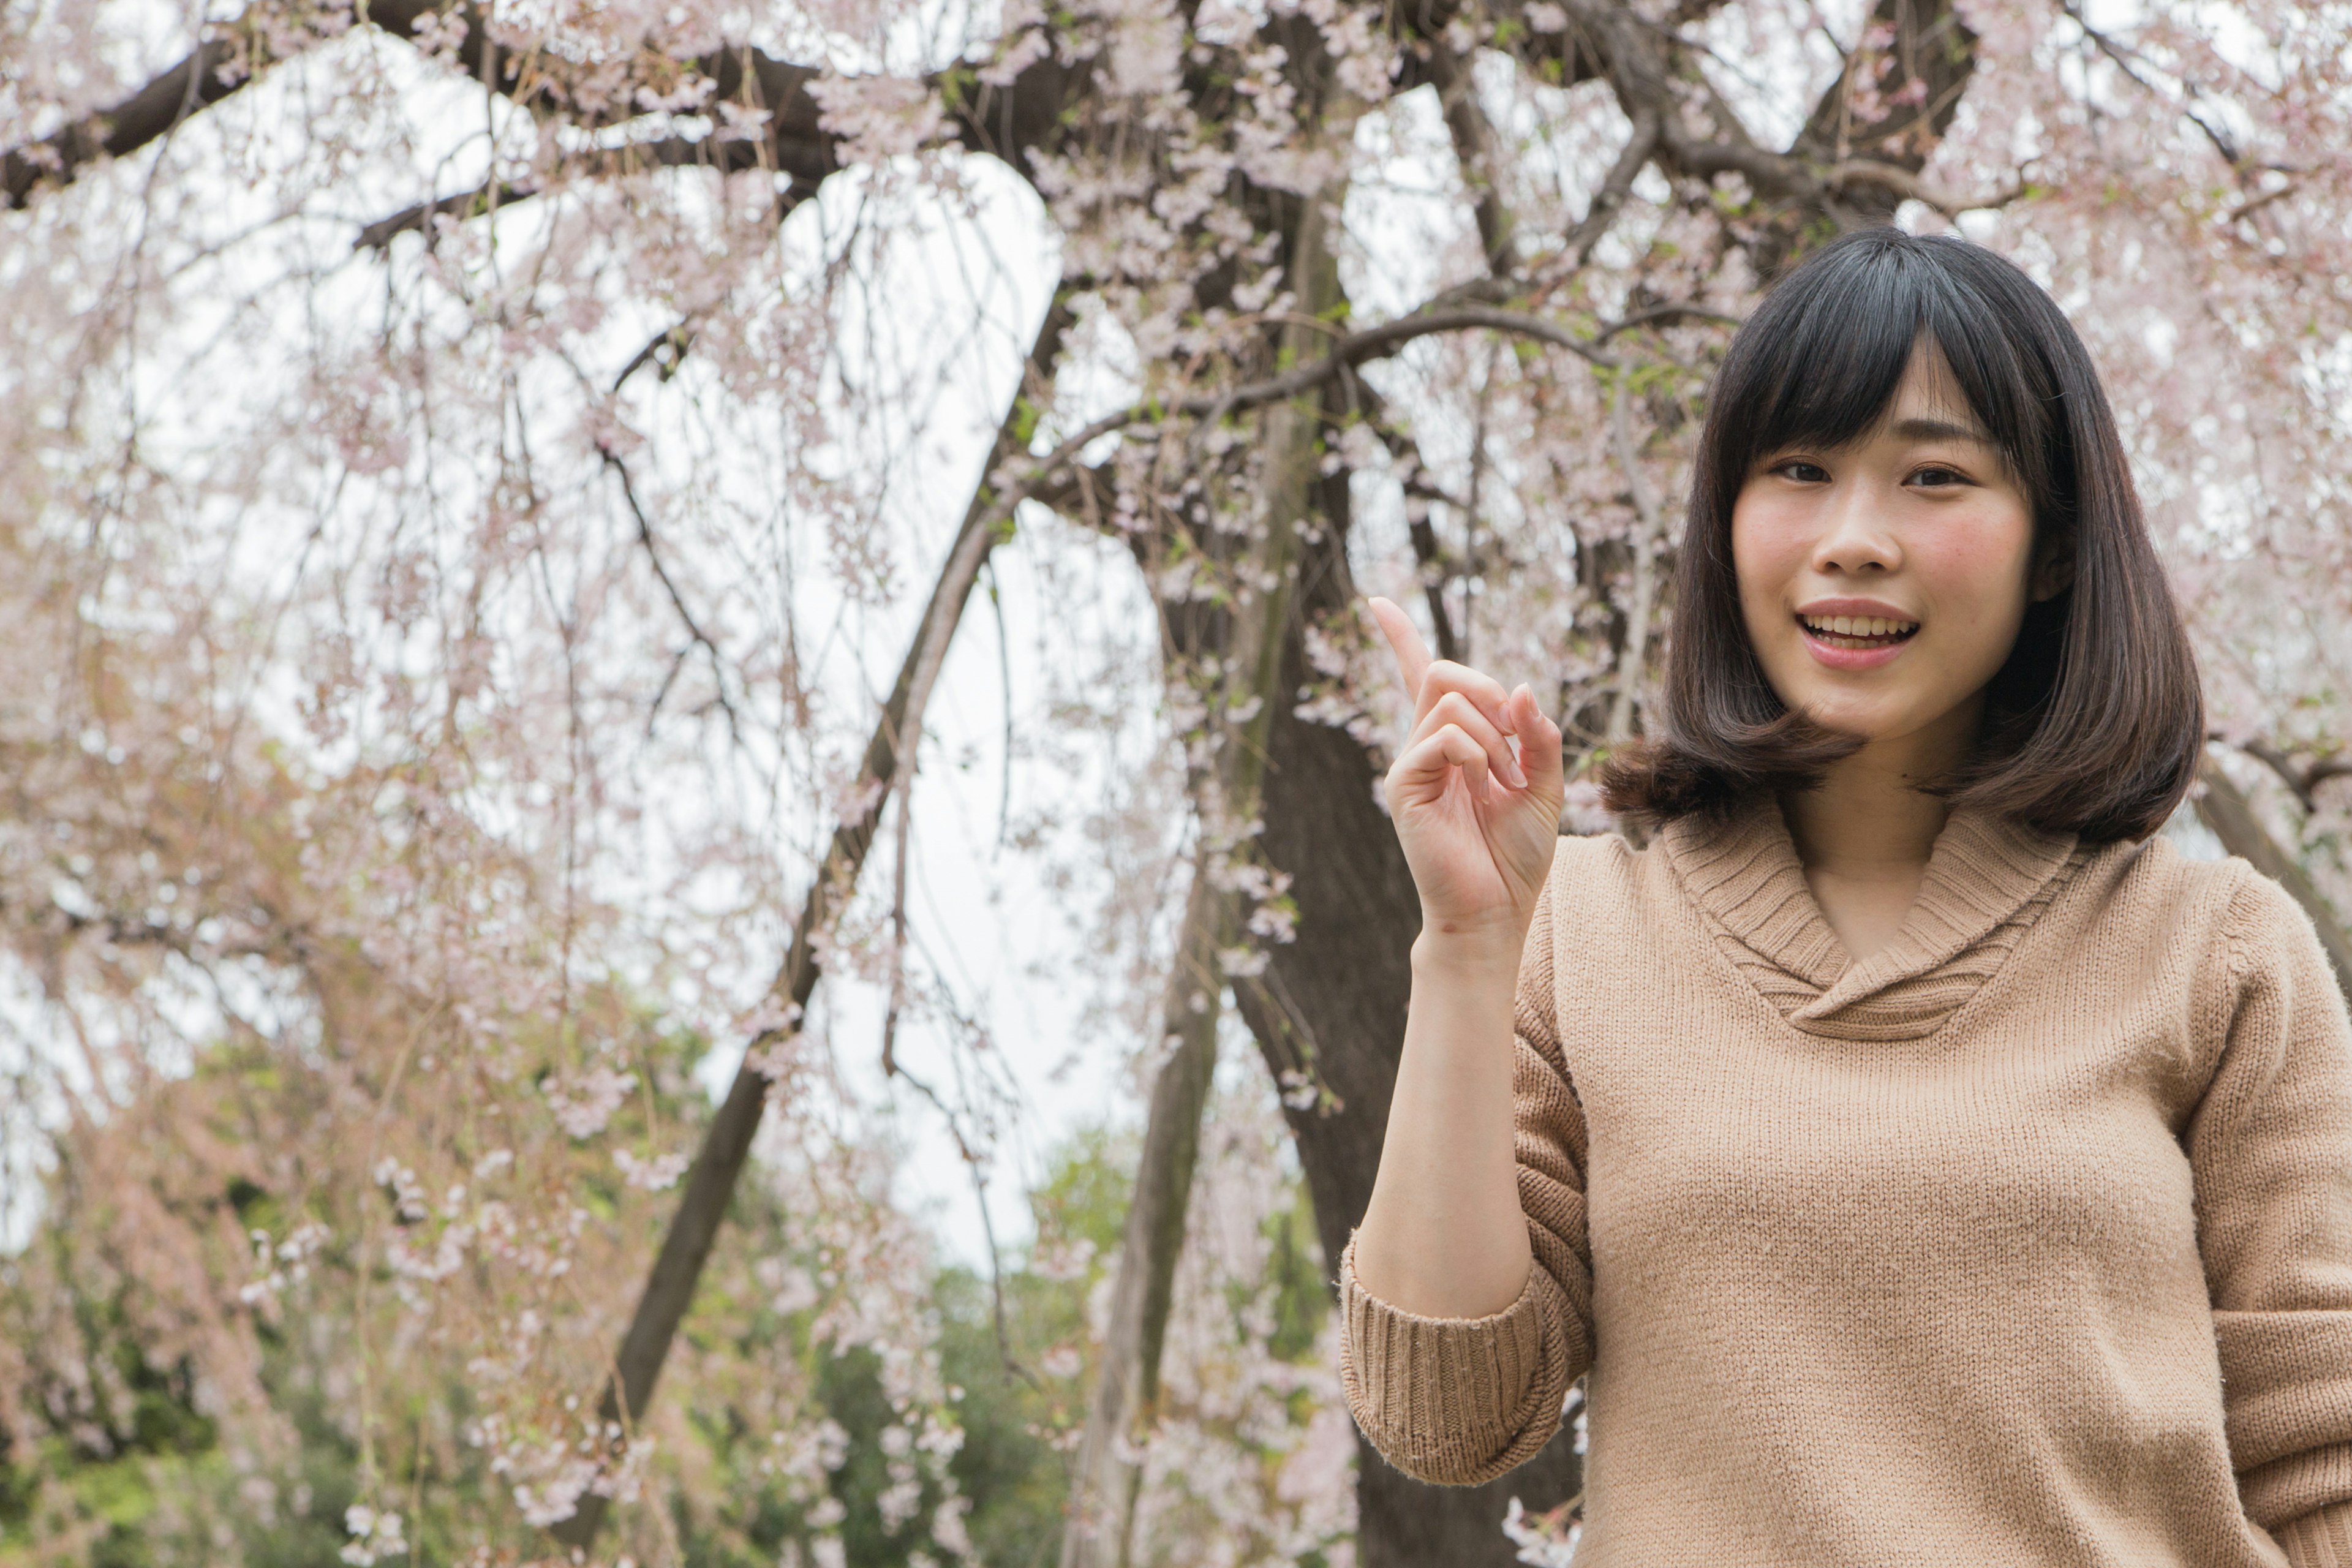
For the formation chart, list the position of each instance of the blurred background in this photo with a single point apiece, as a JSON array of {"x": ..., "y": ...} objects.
[{"x": 690, "y": 869}]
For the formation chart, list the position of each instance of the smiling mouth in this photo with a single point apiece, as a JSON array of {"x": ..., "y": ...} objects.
[{"x": 1857, "y": 631}]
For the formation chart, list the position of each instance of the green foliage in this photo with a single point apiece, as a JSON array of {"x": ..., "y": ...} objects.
[
  {"x": 1020, "y": 1418},
  {"x": 1302, "y": 1301},
  {"x": 154, "y": 1486}
]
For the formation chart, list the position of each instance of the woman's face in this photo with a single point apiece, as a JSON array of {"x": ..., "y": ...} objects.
[{"x": 1883, "y": 583}]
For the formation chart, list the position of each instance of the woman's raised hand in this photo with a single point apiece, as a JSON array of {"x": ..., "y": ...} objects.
[{"x": 1478, "y": 824}]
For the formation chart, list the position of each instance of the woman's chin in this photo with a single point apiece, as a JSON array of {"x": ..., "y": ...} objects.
[
  {"x": 1942, "y": 726},
  {"x": 1869, "y": 722}
]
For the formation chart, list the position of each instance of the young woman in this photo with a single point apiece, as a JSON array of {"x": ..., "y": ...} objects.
[{"x": 1928, "y": 1165}]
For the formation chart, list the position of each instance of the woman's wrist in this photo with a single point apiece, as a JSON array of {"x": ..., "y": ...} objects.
[{"x": 1473, "y": 951}]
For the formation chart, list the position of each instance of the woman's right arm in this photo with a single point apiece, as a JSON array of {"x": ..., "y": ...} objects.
[
  {"x": 1444, "y": 1235},
  {"x": 1459, "y": 1337}
]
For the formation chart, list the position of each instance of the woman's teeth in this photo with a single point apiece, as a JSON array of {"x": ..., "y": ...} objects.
[{"x": 1857, "y": 631}]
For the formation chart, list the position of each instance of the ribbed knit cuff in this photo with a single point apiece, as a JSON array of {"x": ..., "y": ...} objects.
[
  {"x": 2319, "y": 1540},
  {"x": 1450, "y": 1400}
]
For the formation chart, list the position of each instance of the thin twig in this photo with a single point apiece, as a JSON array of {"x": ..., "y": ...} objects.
[
  {"x": 898, "y": 993},
  {"x": 677, "y": 339},
  {"x": 1013, "y": 1363},
  {"x": 419, "y": 218},
  {"x": 677, "y": 601},
  {"x": 726, "y": 155},
  {"x": 1004, "y": 683},
  {"x": 2125, "y": 61}
]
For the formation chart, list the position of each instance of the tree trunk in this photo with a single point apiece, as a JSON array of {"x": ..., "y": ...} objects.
[
  {"x": 1127, "y": 1387},
  {"x": 1258, "y": 628},
  {"x": 1331, "y": 1004}
]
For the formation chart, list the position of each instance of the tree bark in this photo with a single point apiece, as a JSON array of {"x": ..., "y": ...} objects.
[
  {"x": 1259, "y": 628},
  {"x": 1127, "y": 1387}
]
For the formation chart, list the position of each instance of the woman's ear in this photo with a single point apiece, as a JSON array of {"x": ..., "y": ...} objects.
[{"x": 2053, "y": 567}]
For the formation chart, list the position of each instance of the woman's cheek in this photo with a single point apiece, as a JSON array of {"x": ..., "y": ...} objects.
[
  {"x": 1975, "y": 577},
  {"x": 1766, "y": 552}
]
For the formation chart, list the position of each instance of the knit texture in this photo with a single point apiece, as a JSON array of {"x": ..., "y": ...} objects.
[
  {"x": 2027, "y": 1240},
  {"x": 2322, "y": 1539}
]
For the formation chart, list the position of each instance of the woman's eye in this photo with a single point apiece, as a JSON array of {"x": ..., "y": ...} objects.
[
  {"x": 1938, "y": 476},
  {"x": 1801, "y": 471}
]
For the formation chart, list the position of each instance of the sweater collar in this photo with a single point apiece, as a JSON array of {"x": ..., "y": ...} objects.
[{"x": 1983, "y": 873}]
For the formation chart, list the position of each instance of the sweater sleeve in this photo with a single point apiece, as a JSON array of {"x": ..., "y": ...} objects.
[
  {"x": 2271, "y": 1147},
  {"x": 1459, "y": 1401}
]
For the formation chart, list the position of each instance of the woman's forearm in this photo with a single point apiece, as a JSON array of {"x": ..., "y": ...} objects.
[{"x": 1444, "y": 1235}]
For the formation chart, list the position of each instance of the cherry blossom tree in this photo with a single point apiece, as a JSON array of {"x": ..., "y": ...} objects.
[{"x": 459, "y": 459}]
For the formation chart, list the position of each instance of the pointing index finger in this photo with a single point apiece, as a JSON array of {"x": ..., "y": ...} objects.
[{"x": 1412, "y": 653}]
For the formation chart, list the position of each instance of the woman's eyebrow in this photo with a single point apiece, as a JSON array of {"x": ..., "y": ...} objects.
[{"x": 1928, "y": 429}]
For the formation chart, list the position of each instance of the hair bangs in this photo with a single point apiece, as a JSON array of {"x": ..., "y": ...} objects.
[
  {"x": 1831, "y": 373},
  {"x": 1828, "y": 373}
]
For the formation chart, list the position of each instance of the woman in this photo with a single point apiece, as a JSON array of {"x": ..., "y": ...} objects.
[{"x": 1928, "y": 1165}]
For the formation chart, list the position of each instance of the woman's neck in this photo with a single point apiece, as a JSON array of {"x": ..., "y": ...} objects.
[{"x": 1864, "y": 833}]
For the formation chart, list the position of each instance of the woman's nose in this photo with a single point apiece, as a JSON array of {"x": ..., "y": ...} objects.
[{"x": 1854, "y": 535}]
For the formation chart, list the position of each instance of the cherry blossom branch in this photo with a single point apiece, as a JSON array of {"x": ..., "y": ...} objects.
[
  {"x": 418, "y": 217},
  {"x": 2126, "y": 61},
  {"x": 792, "y": 140},
  {"x": 198, "y": 81},
  {"x": 1359, "y": 348},
  {"x": 1474, "y": 151},
  {"x": 1349, "y": 352},
  {"x": 1900, "y": 182},
  {"x": 1602, "y": 210},
  {"x": 227, "y": 59},
  {"x": 2302, "y": 777},
  {"x": 725, "y": 155},
  {"x": 1642, "y": 71},
  {"x": 677, "y": 340},
  {"x": 888, "y": 759}
]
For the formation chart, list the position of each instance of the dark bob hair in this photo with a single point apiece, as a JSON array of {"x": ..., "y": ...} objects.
[{"x": 2094, "y": 724}]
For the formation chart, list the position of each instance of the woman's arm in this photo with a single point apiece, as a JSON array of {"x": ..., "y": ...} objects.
[
  {"x": 1444, "y": 1235},
  {"x": 1461, "y": 1331},
  {"x": 1458, "y": 1388},
  {"x": 2270, "y": 1148}
]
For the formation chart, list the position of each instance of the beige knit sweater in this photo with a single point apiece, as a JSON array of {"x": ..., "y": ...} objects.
[{"x": 2026, "y": 1241}]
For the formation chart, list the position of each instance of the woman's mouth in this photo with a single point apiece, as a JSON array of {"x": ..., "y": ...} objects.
[
  {"x": 1856, "y": 632},
  {"x": 1856, "y": 643}
]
